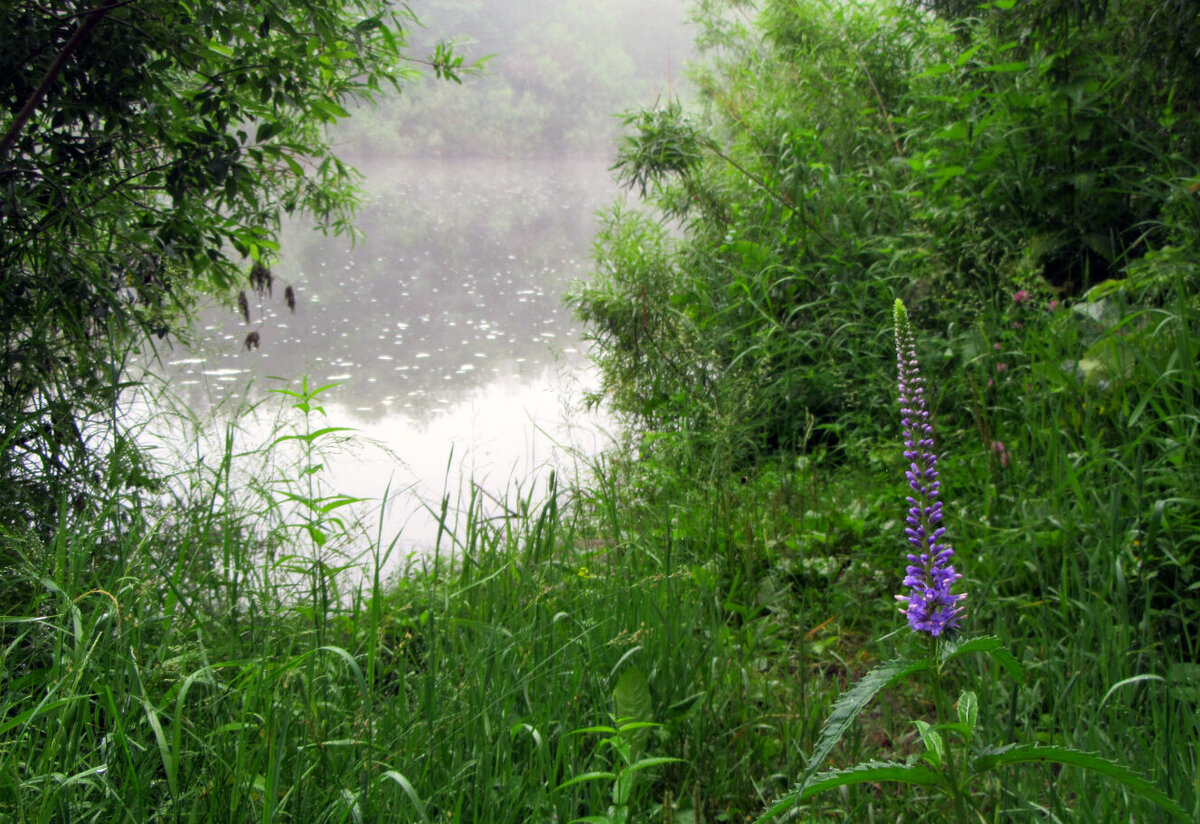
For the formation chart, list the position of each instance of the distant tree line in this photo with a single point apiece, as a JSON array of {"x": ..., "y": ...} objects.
[{"x": 558, "y": 72}]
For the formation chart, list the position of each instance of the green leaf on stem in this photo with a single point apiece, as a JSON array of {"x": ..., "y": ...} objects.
[
  {"x": 990, "y": 644},
  {"x": 868, "y": 773},
  {"x": 847, "y": 708},
  {"x": 935, "y": 748},
  {"x": 1031, "y": 753},
  {"x": 968, "y": 712}
]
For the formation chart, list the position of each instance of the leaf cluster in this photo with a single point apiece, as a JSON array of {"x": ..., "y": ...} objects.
[
  {"x": 843, "y": 155},
  {"x": 149, "y": 149}
]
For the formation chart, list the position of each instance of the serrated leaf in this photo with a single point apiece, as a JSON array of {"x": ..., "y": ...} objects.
[
  {"x": 990, "y": 644},
  {"x": 871, "y": 772},
  {"x": 852, "y": 702},
  {"x": 968, "y": 711},
  {"x": 935, "y": 749},
  {"x": 1033, "y": 753}
]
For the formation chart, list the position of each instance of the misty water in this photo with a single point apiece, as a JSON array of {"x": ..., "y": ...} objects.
[{"x": 444, "y": 328}]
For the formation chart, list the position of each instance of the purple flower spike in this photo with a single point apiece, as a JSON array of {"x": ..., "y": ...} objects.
[{"x": 929, "y": 605}]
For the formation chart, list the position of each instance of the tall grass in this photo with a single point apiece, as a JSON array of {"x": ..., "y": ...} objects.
[
  {"x": 216, "y": 661},
  {"x": 226, "y": 657}
]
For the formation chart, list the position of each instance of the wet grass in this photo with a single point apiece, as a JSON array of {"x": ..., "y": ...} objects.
[{"x": 214, "y": 657}]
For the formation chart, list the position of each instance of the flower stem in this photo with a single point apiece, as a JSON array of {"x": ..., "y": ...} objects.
[{"x": 945, "y": 714}]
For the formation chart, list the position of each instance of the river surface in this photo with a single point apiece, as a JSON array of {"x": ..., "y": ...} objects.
[{"x": 444, "y": 329}]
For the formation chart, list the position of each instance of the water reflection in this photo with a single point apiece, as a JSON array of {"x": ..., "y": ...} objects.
[
  {"x": 459, "y": 281},
  {"x": 445, "y": 326}
]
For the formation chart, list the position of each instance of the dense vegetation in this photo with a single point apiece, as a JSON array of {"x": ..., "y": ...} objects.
[
  {"x": 662, "y": 638},
  {"x": 148, "y": 153}
]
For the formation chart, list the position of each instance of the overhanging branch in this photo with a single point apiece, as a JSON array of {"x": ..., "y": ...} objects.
[{"x": 14, "y": 129}]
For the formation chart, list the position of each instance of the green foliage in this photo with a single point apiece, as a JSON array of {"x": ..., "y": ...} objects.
[
  {"x": 941, "y": 770},
  {"x": 844, "y": 155},
  {"x": 1023, "y": 175},
  {"x": 214, "y": 649},
  {"x": 853, "y": 702},
  {"x": 149, "y": 150},
  {"x": 1088, "y": 761}
]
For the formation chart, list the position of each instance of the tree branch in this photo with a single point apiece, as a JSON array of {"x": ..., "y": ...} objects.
[{"x": 14, "y": 129}]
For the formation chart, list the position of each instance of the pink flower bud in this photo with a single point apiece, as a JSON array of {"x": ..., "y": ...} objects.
[{"x": 1001, "y": 453}]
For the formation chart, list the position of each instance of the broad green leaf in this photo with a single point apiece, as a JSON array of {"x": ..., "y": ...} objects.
[
  {"x": 596, "y": 729},
  {"x": 647, "y": 763},
  {"x": 309, "y": 437},
  {"x": 329, "y": 110},
  {"x": 633, "y": 726},
  {"x": 967, "y": 55},
  {"x": 293, "y": 166},
  {"x": 953, "y": 726},
  {"x": 955, "y": 131},
  {"x": 1034, "y": 753},
  {"x": 934, "y": 71},
  {"x": 266, "y": 130},
  {"x": 338, "y": 502},
  {"x": 631, "y": 696},
  {"x": 219, "y": 48}
]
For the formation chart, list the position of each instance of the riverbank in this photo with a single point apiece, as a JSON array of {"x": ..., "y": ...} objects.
[{"x": 205, "y": 659}]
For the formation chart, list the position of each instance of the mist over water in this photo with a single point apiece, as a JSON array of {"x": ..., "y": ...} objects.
[{"x": 444, "y": 327}]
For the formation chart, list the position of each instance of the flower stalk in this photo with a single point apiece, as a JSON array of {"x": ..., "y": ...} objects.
[{"x": 929, "y": 605}]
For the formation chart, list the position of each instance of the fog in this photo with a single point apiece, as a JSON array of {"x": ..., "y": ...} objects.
[{"x": 444, "y": 326}]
